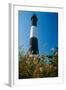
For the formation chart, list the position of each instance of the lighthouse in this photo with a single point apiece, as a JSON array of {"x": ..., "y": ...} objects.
[{"x": 33, "y": 46}]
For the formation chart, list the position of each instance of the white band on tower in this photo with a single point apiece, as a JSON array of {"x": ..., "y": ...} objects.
[{"x": 33, "y": 31}]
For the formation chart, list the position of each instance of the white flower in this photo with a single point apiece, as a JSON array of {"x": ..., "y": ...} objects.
[{"x": 52, "y": 49}]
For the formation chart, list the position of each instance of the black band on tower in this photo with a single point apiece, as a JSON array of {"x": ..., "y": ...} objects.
[{"x": 33, "y": 45}]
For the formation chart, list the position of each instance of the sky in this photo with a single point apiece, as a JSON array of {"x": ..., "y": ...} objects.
[{"x": 47, "y": 29}]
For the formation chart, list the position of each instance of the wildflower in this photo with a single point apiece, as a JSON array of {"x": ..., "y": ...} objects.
[{"x": 41, "y": 69}]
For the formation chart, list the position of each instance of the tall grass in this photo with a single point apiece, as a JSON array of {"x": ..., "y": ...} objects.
[{"x": 36, "y": 66}]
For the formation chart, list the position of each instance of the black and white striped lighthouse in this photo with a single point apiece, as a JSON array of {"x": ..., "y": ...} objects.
[{"x": 33, "y": 47}]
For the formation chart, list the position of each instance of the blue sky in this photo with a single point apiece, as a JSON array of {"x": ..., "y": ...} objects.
[{"x": 47, "y": 29}]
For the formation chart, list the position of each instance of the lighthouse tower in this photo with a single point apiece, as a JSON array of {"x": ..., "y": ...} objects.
[{"x": 33, "y": 47}]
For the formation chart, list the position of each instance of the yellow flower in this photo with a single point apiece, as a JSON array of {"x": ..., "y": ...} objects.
[{"x": 35, "y": 60}]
